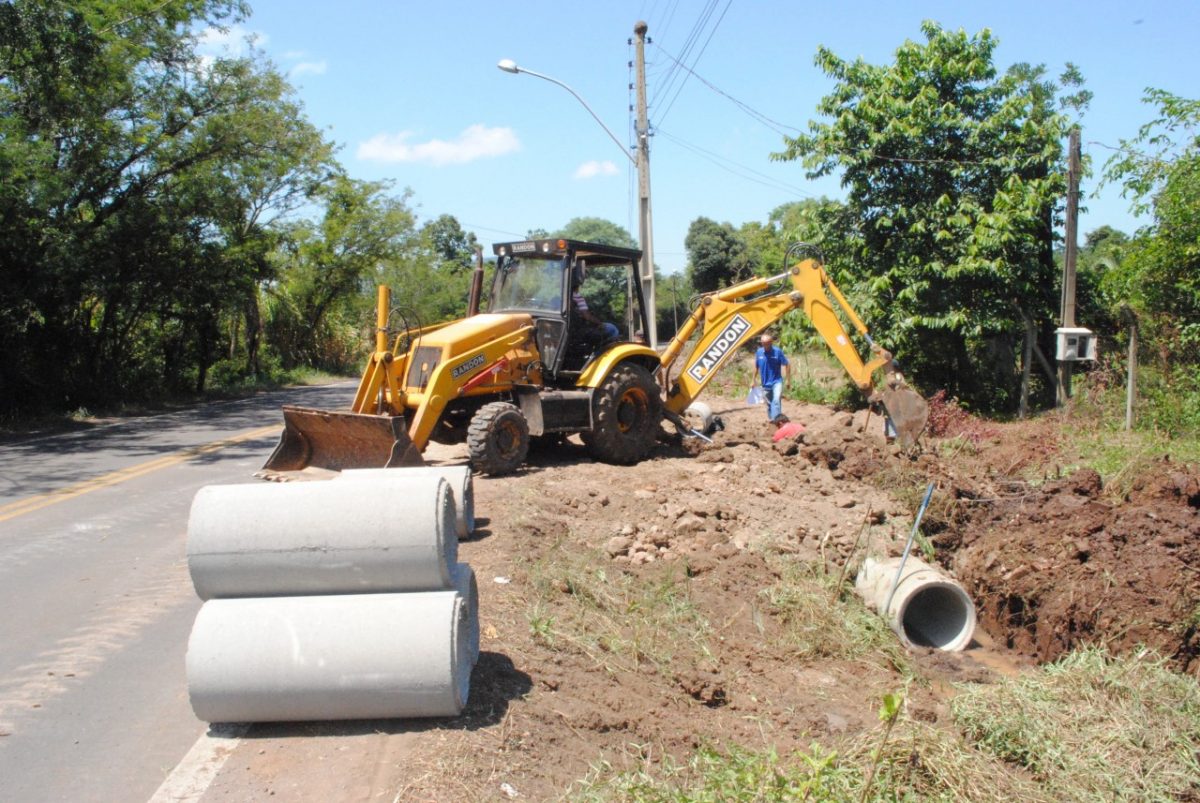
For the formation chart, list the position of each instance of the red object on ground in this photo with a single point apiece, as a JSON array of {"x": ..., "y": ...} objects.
[{"x": 788, "y": 430}]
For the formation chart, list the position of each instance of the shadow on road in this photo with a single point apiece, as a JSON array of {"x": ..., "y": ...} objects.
[{"x": 40, "y": 464}]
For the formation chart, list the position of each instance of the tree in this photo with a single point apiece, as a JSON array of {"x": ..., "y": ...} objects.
[
  {"x": 448, "y": 245},
  {"x": 1159, "y": 274},
  {"x": 954, "y": 174},
  {"x": 716, "y": 255},
  {"x": 327, "y": 282},
  {"x": 597, "y": 230},
  {"x": 141, "y": 186}
]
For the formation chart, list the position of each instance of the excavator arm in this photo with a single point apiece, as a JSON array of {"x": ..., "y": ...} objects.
[{"x": 731, "y": 317}]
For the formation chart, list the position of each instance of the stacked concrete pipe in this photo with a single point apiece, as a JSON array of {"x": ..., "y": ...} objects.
[
  {"x": 459, "y": 478},
  {"x": 345, "y": 656},
  {"x": 330, "y": 600},
  {"x": 923, "y": 605}
]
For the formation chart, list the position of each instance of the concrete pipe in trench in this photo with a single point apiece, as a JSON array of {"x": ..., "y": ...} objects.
[
  {"x": 459, "y": 478},
  {"x": 358, "y": 656},
  {"x": 927, "y": 608},
  {"x": 296, "y": 539}
]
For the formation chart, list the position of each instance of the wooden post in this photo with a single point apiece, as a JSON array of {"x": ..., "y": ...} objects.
[
  {"x": 1071, "y": 246},
  {"x": 1131, "y": 370},
  {"x": 1032, "y": 348}
]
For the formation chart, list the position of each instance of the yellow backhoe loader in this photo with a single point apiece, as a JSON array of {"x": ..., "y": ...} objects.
[{"x": 535, "y": 366}]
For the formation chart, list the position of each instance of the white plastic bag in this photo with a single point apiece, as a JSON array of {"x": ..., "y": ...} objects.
[{"x": 755, "y": 396}]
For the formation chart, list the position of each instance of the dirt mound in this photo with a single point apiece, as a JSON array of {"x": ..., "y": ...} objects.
[
  {"x": 1062, "y": 565},
  {"x": 1051, "y": 566},
  {"x": 680, "y": 602}
]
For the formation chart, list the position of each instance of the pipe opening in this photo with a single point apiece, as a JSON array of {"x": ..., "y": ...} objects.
[{"x": 938, "y": 615}]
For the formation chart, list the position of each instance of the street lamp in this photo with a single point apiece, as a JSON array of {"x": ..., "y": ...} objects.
[
  {"x": 508, "y": 65},
  {"x": 642, "y": 163}
]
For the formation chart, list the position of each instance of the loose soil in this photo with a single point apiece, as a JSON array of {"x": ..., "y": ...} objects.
[{"x": 632, "y": 613}]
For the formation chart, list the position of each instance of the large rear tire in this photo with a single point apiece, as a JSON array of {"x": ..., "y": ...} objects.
[
  {"x": 628, "y": 413},
  {"x": 498, "y": 439}
]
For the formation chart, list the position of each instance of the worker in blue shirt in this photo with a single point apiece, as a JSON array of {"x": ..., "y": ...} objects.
[{"x": 772, "y": 365}]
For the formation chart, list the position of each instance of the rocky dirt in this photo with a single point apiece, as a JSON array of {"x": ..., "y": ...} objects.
[{"x": 634, "y": 613}]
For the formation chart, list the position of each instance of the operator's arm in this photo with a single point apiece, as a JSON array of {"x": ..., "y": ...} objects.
[
  {"x": 787, "y": 370},
  {"x": 583, "y": 311},
  {"x": 754, "y": 376}
]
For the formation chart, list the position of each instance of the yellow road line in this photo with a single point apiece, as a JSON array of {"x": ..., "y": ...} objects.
[{"x": 23, "y": 506}]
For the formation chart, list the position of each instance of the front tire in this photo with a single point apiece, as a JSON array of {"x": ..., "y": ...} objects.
[
  {"x": 628, "y": 413},
  {"x": 498, "y": 439}
]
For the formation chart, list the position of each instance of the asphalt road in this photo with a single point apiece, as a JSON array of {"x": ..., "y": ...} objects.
[{"x": 95, "y": 600}]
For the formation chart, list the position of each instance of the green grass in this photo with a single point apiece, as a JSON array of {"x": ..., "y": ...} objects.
[
  {"x": 713, "y": 775},
  {"x": 821, "y": 622},
  {"x": 1093, "y": 727},
  {"x": 1166, "y": 424},
  {"x": 918, "y": 763},
  {"x": 582, "y": 604},
  {"x": 1090, "y": 727},
  {"x": 1115, "y": 453}
]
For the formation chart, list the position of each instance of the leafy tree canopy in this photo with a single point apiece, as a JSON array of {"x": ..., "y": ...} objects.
[
  {"x": 597, "y": 230},
  {"x": 1159, "y": 273},
  {"x": 954, "y": 173},
  {"x": 716, "y": 255}
]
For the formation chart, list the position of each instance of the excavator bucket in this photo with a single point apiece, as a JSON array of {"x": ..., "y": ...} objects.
[
  {"x": 336, "y": 441},
  {"x": 908, "y": 412}
]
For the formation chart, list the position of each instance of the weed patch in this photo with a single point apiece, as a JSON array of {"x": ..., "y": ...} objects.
[
  {"x": 819, "y": 622},
  {"x": 1093, "y": 727},
  {"x": 918, "y": 763},
  {"x": 619, "y": 620}
]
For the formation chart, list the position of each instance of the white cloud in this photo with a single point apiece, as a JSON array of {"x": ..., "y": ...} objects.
[
  {"x": 594, "y": 168},
  {"x": 233, "y": 41},
  {"x": 475, "y": 142},
  {"x": 309, "y": 68}
]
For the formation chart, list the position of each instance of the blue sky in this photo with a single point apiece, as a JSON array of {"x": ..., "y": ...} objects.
[{"x": 412, "y": 93}]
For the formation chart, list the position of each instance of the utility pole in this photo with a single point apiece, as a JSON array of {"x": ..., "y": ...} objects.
[
  {"x": 675, "y": 301},
  {"x": 1074, "y": 166},
  {"x": 645, "y": 225}
]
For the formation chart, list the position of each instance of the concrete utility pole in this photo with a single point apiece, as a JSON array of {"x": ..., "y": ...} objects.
[
  {"x": 1074, "y": 166},
  {"x": 645, "y": 224}
]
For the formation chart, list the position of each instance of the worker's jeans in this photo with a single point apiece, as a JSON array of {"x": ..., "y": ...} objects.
[{"x": 774, "y": 395}]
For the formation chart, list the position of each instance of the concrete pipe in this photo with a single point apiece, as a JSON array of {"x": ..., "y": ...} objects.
[
  {"x": 459, "y": 478},
  {"x": 464, "y": 583},
  {"x": 702, "y": 415},
  {"x": 927, "y": 608},
  {"x": 358, "y": 656},
  {"x": 297, "y": 539}
]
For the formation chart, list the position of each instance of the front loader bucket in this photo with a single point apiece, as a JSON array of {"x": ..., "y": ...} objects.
[
  {"x": 336, "y": 441},
  {"x": 908, "y": 412}
]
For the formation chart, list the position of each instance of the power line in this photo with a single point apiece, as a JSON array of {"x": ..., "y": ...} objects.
[
  {"x": 695, "y": 61},
  {"x": 689, "y": 43},
  {"x": 740, "y": 170},
  {"x": 489, "y": 228},
  {"x": 778, "y": 127},
  {"x": 775, "y": 125}
]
